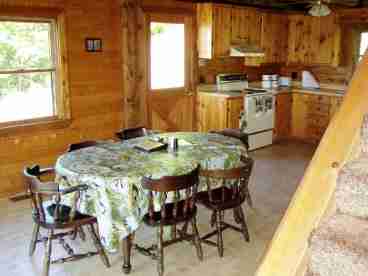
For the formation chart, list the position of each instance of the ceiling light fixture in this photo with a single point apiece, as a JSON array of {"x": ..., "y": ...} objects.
[{"x": 319, "y": 9}]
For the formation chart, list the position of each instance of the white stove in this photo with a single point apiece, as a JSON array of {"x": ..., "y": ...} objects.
[
  {"x": 232, "y": 82},
  {"x": 258, "y": 117}
]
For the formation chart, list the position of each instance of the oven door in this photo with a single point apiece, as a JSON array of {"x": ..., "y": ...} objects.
[{"x": 259, "y": 113}]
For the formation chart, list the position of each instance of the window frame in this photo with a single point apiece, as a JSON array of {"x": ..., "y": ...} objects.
[{"x": 61, "y": 100}]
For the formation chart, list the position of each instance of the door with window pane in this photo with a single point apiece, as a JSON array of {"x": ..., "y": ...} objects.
[{"x": 170, "y": 73}]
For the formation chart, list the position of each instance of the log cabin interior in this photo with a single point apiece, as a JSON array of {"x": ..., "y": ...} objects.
[{"x": 118, "y": 118}]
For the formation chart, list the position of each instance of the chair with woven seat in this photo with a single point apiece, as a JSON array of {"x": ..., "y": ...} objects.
[
  {"x": 51, "y": 215},
  {"x": 230, "y": 195},
  {"x": 177, "y": 201},
  {"x": 234, "y": 133},
  {"x": 130, "y": 133}
]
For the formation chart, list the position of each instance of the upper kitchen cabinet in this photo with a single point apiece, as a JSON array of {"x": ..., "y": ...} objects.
[
  {"x": 214, "y": 30},
  {"x": 274, "y": 37},
  {"x": 220, "y": 26},
  {"x": 314, "y": 40},
  {"x": 246, "y": 26}
]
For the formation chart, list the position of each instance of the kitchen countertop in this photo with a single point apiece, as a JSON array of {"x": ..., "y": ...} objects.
[{"x": 297, "y": 88}]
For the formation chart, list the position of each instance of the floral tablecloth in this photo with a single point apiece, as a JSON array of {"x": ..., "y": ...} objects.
[{"x": 113, "y": 172}]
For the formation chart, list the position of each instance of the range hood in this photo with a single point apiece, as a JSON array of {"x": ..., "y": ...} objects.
[{"x": 246, "y": 50}]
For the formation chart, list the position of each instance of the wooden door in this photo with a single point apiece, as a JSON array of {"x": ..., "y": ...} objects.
[{"x": 170, "y": 72}]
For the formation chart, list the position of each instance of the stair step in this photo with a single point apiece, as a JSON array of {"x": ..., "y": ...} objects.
[
  {"x": 339, "y": 247},
  {"x": 352, "y": 188}
]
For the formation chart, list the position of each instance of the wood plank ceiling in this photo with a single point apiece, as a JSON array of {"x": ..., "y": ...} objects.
[{"x": 287, "y": 5}]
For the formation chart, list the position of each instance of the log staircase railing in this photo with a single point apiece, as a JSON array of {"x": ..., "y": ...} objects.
[{"x": 287, "y": 253}]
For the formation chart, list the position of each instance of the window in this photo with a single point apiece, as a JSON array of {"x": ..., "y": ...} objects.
[
  {"x": 363, "y": 44},
  {"x": 29, "y": 80},
  {"x": 167, "y": 55}
]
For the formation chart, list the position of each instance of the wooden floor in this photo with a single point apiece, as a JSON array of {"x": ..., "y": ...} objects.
[{"x": 277, "y": 172}]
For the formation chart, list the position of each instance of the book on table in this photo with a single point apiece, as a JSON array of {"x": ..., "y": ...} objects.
[{"x": 150, "y": 146}]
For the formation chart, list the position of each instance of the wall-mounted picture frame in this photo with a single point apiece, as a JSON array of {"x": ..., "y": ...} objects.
[{"x": 93, "y": 44}]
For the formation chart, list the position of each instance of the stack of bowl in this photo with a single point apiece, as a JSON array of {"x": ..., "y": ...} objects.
[{"x": 270, "y": 81}]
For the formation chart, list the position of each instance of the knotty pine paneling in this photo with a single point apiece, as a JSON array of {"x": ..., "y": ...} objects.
[
  {"x": 314, "y": 40},
  {"x": 95, "y": 81}
]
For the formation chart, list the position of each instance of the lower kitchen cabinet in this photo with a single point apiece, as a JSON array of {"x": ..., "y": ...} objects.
[
  {"x": 311, "y": 115},
  {"x": 216, "y": 112},
  {"x": 283, "y": 110},
  {"x": 299, "y": 116}
]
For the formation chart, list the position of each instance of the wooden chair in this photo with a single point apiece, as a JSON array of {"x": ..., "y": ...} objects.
[
  {"x": 228, "y": 196},
  {"x": 130, "y": 133},
  {"x": 54, "y": 216},
  {"x": 234, "y": 133},
  {"x": 81, "y": 145},
  {"x": 173, "y": 211}
]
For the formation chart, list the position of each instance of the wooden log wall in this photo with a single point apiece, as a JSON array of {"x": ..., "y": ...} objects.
[
  {"x": 134, "y": 68},
  {"x": 95, "y": 81}
]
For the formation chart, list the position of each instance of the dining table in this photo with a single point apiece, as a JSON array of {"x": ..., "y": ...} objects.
[{"x": 113, "y": 172}]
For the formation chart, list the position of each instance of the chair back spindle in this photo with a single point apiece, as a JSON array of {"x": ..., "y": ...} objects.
[
  {"x": 234, "y": 183},
  {"x": 130, "y": 133},
  {"x": 42, "y": 191},
  {"x": 81, "y": 145},
  {"x": 173, "y": 192}
]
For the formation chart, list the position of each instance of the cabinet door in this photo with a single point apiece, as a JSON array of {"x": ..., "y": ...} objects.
[
  {"x": 246, "y": 25},
  {"x": 221, "y": 30},
  {"x": 314, "y": 40},
  {"x": 299, "y": 116},
  {"x": 283, "y": 116},
  {"x": 204, "y": 22},
  {"x": 316, "y": 127},
  {"x": 274, "y": 40},
  {"x": 325, "y": 40},
  {"x": 234, "y": 108},
  {"x": 212, "y": 112}
]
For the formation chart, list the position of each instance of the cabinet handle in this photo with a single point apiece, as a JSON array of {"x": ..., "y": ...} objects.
[{"x": 335, "y": 165}]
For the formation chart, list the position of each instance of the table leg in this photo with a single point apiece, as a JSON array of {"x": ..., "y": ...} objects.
[{"x": 127, "y": 246}]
